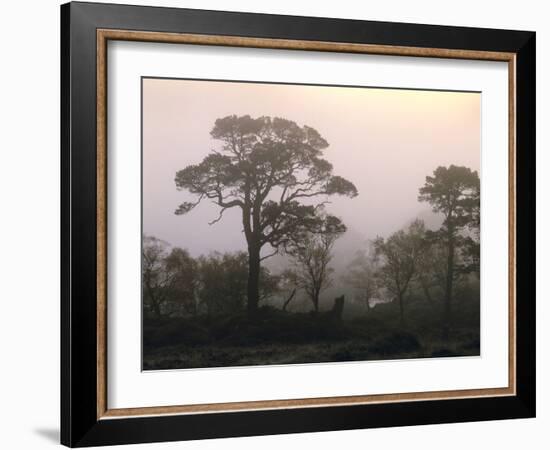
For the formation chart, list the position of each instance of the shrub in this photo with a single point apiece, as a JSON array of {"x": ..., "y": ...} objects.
[
  {"x": 165, "y": 332},
  {"x": 395, "y": 343}
]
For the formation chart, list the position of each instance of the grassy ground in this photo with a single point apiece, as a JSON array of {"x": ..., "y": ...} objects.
[{"x": 276, "y": 337}]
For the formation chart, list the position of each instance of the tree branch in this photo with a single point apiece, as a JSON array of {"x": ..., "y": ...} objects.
[
  {"x": 269, "y": 255},
  {"x": 217, "y": 219}
]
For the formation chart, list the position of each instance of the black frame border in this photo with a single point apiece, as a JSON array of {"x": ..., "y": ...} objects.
[{"x": 79, "y": 424}]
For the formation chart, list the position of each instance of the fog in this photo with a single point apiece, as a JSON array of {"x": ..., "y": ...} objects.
[{"x": 385, "y": 141}]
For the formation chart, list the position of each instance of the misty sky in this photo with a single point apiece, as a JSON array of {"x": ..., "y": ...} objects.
[{"x": 383, "y": 140}]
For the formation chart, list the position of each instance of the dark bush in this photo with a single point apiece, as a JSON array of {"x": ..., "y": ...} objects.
[
  {"x": 272, "y": 326},
  {"x": 395, "y": 343},
  {"x": 167, "y": 332}
]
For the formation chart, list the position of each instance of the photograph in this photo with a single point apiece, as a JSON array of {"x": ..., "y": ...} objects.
[{"x": 299, "y": 224}]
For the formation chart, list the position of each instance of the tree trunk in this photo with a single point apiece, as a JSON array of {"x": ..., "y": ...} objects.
[
  {"x": 155, "y": 304},
  {"x": 289, "y": 299},
  {"x": 401, "y": 309},
  {"x": 449, "y": 289},
  {"x": 314, "y": 296},
  {"x": 338, "y": 307},
  {"x": 253, "y": 278},
  {"x": 315, "y": 300}
]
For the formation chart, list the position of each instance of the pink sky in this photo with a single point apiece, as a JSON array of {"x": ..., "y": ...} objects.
[{"x": 383, "y": 140}]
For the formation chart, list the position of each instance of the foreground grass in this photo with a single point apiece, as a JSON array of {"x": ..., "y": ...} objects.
[
  {"x": 184, "y": 357},
  {"x": 276, "y": 337}
]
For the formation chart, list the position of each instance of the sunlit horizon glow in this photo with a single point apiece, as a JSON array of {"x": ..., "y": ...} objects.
[{"x": 386, "y": 141}]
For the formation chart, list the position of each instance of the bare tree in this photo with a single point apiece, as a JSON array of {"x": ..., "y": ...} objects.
[
  {"x": 168, "y": 276},
  {"x": 290, "y": 284},
  {"x": 182, "y": 279},
  {"x": 312, "y": 255},
  {"x": 401, "y": 253}
]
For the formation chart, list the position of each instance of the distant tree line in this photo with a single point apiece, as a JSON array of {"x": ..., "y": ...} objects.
[
  {"x": 175, "y": 284},
  {"x": 430, "y": 259}
]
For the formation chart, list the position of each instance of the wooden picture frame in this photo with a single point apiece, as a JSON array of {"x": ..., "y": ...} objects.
[{"x": 86, "y": 418}]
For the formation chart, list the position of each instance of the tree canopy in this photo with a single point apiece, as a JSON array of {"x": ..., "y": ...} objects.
[
  {"x": 311, "y": 257},
  {"x": 454, "y": 192},
  {"x": 401, "y": 253}
]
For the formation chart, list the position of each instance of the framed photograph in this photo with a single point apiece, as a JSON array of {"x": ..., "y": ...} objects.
[{"x": 277, "y": 224}]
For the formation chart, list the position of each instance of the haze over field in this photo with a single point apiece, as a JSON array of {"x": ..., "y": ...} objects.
[{"x": 385, "y": 141}]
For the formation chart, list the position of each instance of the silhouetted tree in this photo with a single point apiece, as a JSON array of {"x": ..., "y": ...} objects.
[
  {"x": 289, "y": 284},
  {"x": 400, "y": 254},
  {"x": 266, "y": 167},
  {"x": 431, "y": 271},
  {"x": 312, "y": 254},
  {"x": 154, "y": 278},
  {"x": 181, "y": 268},
  {"x": 168, "y": 277},
  {"x": 454, "y": 192},
  {"x": 470, "y": 253}
]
